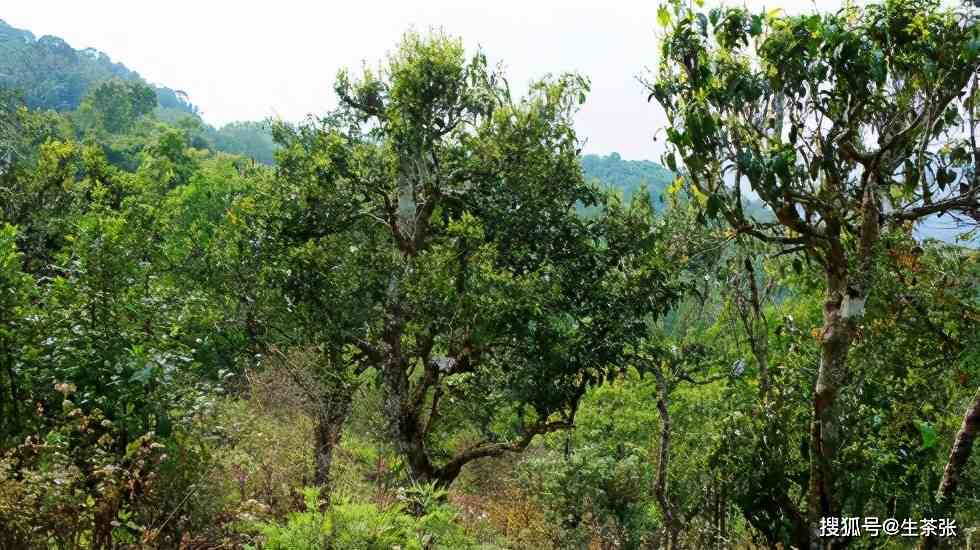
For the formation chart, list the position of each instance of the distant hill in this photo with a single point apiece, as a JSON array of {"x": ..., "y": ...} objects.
[
  {"x": 53, "y": 75},
  {"x": 628, "y": 176},
  {"x": 50, "y": 74}
]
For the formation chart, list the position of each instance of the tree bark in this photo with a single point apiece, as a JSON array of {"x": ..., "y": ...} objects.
[
  {"x": 399, "y": 409},
  {"x": 325, "y": 438},
  {"x": 959, "y": 455},
  {"x": 846, "y": 295},
  {"x": 663, "y": 462},
  {"x": 327, "y": 432},
  {"x": 757, "y": 329},
  {"x": 835, "y": 341}
]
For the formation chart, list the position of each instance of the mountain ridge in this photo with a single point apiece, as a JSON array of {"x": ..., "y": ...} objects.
[{"x": 54, "y": 75}]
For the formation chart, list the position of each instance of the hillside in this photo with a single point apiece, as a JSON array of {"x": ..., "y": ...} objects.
[
  {"x": 627, "y": 175},
  {"x": 53, "y": 75}
]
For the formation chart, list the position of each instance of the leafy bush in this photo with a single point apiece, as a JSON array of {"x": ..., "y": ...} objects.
[
  {"x": 72, "y": 486},
  {"x": 366, "y": 526},
  {"x": 593, "y": 496}
]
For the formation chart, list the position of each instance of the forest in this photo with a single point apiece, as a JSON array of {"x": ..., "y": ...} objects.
[{"x": 426, "y": 320}]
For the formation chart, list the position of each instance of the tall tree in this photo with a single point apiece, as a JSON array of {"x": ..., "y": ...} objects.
[
  {"x": 115, "y": 105},
  {"x": 436, "y": 217},
  {"x": 844, "y": 124}
]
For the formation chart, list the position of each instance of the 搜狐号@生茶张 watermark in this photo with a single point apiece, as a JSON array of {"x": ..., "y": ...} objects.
[{"x": 873, "y": 527}]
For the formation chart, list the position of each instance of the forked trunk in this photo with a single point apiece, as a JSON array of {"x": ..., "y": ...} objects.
[{"x": 402, "y": 416}]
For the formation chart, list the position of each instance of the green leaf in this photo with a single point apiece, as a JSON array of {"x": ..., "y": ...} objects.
[
  {"x": 702, "y": 24},
  {"x": 714, "y": 15},
  {"x": 143, "y": 375},
  {"x": 714, "y": 205},
  {"x": 663, "y": 16},
  {"x": 928, "y": 433}
]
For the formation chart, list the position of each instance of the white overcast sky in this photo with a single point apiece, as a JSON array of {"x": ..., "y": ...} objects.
[{"x": 247, "y": 60}]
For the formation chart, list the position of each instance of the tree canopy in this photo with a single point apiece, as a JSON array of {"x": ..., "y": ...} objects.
[{"x": 462, "y": 199}]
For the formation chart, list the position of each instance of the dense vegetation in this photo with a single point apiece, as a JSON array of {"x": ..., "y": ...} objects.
[{"x": 425, "y": 321}]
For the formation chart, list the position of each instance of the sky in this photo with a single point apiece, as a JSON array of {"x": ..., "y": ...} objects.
[{"x": 247, "y": 60}]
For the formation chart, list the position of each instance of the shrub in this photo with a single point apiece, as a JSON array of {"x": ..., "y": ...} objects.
[{"x": 366, "y": 526}]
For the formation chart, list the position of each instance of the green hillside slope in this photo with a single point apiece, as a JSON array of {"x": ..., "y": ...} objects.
[
  {"x": 53, "y": 75},
  {"x": 627, "y": 175}
]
